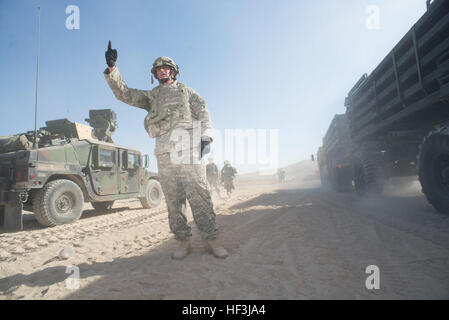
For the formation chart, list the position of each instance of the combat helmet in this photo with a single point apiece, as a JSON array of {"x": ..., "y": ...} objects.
[{"x": 164, "y": 61}]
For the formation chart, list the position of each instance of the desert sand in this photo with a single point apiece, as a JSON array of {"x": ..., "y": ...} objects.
[{"x": 293, "y": 240}]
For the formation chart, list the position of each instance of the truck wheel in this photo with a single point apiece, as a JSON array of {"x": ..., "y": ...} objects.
[
  {"x": 367, "y": 173},
  {"x": 58, "y": 202},
  {"x": 102, "y": 206},
  {"x": 153, "y": 195},
  {"x": 433, "y": 168}
]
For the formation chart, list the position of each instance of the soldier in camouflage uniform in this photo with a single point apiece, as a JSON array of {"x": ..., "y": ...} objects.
[
  {"x": 281, "y": 175},
  {"x": 175, "y": 113},
  {"x": 227, "y": 174},
  {"x": 212, "y": 176}
]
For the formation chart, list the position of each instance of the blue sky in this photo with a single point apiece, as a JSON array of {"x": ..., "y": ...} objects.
[{"x": 284, "y": 65}]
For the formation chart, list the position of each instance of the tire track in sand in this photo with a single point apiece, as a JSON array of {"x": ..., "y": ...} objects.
[{"x": 24, "y": 242}]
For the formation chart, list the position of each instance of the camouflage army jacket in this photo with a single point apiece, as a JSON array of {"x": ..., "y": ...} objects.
[{"x": 169, "y": 107}]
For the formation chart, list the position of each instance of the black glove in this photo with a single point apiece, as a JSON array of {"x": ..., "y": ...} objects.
[
  {"x": 205, "y": 145},
  {"x": 111, "y": 56}
]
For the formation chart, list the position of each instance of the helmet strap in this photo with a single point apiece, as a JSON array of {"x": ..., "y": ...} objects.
[{"x": 164, "y": 80}]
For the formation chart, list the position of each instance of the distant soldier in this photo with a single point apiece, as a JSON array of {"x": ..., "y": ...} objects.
[
  {"x": 172, "y": 108},
  {"x": 227, "y": 177},
  {"x": 281, "y": 175},
  {"x": 212, "y": 176}
]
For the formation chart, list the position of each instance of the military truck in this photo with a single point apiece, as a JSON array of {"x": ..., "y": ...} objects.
[
  {"x": 54, "y": 172},
  {"x": 334, "y": 157},
  {"x": 398, "y": 116}
]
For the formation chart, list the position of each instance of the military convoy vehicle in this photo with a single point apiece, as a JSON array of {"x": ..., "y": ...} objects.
[
  {"x": 397, "y": 117},
  {"x": 67, "y": 164},
  {"x": 334, "y": 157}
]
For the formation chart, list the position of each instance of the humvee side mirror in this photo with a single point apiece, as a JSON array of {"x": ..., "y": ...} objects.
[{"x": 312, "y": 157}]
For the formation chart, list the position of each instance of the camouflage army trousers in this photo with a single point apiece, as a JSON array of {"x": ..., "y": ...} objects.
[{"x": 186, "y": 181}]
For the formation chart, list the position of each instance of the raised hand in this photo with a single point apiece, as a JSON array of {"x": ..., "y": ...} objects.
[{"x": 111, "y": 56}]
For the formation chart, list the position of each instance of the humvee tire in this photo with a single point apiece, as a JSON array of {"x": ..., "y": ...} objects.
[
  {"x": 101, "y": 206},
  {"x": 58, "y": 202},
  {"x": 153, "y": 195}
]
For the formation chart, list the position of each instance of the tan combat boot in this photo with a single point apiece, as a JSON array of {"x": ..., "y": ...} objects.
[
  {"x": 183, "y": 249},
  {"x": 217, "y": 250}
]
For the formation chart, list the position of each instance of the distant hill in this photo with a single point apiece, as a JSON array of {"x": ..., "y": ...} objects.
[{"x": 302, "y": 170}]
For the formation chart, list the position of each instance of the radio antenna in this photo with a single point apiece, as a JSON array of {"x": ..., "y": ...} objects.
[{"x": 37, "y": 75}]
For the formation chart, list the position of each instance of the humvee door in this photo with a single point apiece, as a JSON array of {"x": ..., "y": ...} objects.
[
  {"x": 130, "y": 171},
  {"x": 104, "y": 170}
]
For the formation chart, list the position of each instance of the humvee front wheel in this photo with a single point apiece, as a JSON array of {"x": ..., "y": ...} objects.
[
  {"x": 101, "y": 206},
  {"x": 153, "y": 195},
  {"x": 58, "y": 202}
]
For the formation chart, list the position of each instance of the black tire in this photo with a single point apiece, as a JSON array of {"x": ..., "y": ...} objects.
[
  {"x": 433, "y": 168},
  {"x": 102, "y": 206},
  {"x": 58, "y": 202},
  {"x": 153, "y": 195},
  {"x": 367, "y": 174}
]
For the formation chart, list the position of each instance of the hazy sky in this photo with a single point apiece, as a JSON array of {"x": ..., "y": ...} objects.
[{"x": 284, "y": 65}]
